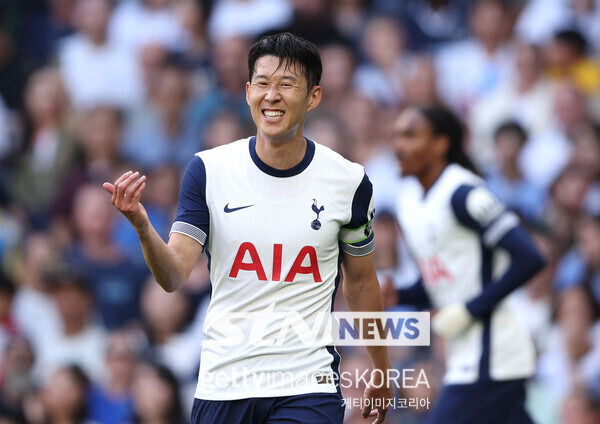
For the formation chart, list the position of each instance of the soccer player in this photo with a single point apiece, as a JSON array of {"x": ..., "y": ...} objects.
[
  {"x": 472, "y": 253},
  {"x": 276, "y": 213}
]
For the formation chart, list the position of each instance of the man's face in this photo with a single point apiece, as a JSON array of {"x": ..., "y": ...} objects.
[
  {"x": 279, "y": 99},
  {"x": 414, "y": 143}
]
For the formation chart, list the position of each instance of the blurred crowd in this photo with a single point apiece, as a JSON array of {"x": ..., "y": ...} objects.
[{"x": 92, "y": 88}]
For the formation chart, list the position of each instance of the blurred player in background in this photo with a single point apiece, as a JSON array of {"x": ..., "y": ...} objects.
[
  {"x": 472, "y": 253},
  {"x": 276, "y": 213}
]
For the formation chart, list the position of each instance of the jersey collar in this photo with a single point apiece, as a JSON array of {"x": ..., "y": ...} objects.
[{"x": 282, "y": 173}]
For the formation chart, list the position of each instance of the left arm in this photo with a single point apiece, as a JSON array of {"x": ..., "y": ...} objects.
[
  {"x": 362, "y": 293},
  {"x": 477, "y": 209},
  {"x": 361, "y": 290},
  {"x": 525, "y": 262}
]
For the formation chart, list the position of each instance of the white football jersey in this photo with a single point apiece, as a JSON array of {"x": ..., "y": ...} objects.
[
  {"x": 274, "y": 240},
  {"x": 456, "y": 262}
]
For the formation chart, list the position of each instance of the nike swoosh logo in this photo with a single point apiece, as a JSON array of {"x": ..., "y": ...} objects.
[{"x": 227, "y": 209}]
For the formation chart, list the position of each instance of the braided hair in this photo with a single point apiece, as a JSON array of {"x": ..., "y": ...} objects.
[{"x": 444, "y": 122}]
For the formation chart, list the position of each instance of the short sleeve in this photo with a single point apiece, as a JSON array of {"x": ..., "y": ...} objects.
[
  {"x": 356, "y": 237},
  {"x": 193, "y": 217},
  {"x": 478, "y": 209}
]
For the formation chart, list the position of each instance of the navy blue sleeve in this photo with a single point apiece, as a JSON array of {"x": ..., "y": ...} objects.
[
  {"x": 476, "y": 208},
  {"x": 193, "y": 217},
  {"x": 356, "y": 237},
  {"x": 414, "y": 295},
  {"x": 525, "y": 262}
]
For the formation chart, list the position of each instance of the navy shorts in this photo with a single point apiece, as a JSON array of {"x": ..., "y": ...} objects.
[
  {"x": 493, "y": 402},
  {"x": 311, "y": 408}
]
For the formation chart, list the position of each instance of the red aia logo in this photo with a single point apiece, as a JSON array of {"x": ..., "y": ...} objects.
[
  {"x": 256, "y": 265},
  {"x": 434, "y": 271}
]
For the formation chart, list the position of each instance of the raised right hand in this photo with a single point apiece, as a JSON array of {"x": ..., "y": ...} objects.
[{"x": 125, "y": 195}]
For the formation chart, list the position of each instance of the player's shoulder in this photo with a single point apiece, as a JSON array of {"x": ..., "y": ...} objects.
[
  {"x": 456, "y": 176},
  {"x": 229, "y": 151},
  {"x": 336, "y": 163},
  {"x": 474, "y": 200}
]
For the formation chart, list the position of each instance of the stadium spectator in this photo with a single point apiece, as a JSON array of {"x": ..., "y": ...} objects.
[
  {"x": 565, "y": 203},
  {"x": 472, "y": 68},
  {"x": 62, "y": 399},
  {"x": 547, "y": 153},
  {"x": 44, "y": 25},
  {"x": 526, "y": 99},
  {"x": 567, "y": 59},
  {"x": 137, "y": 23},
  {"x": 247, "y": 18},
  {"x": 350, "y": 17},
  {"x": 114, "y": 278},
  {"x": 78, "y": 338},
  {"x": 156, "y": 397},
  {"x": 586, "y": 154},
  {"x": 163, "y": 131},
  {"x": 420, "y": 84},
  {"x": 430, "y": 25},
  {"x": 506, "y": 180},
  {"x": 313, "y": 21},
  {"x": 13, "y": 72},
  {"x": 110, "y": 399},
  {"x": 174, "y": 340},
  {"x": 227, "y": 94},
  {"x": 570, "y": 359},
  {"x": 539, "y": 20},
  {"x": 359, "y": 116},
  {"x": 96, "y": 71},
  {"x": 48, "y": 148},
  {"x": 381, "y": 74},
  {"x": 99, "y": 133},
  {"x": 222, "y": 128},
  {"x": 18, "y": 385},
  {"x": 339, "y": 65},
  {"x": 34, "y": 311},
  {"x": 580, "y": 266},
  {"x": 8, "y": 327},
  {"x": 197, "y": 53},
  {"x": 328, "y": 129}
]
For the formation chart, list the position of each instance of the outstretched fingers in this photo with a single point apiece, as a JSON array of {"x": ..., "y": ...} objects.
[
  {"x": 117, "y": 185},
  {"x": 127, "y": 191},
  {"x": 124, "y": 192},
  {"x": 136, "y": 189}
]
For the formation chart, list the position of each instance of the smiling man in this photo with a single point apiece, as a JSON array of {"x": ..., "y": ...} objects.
[{"x": 277, "y": 214}]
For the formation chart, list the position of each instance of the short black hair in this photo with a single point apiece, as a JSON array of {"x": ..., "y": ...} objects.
[
  {"x": 511, "y": 127},
  {"x": 572, "y": 38},
  {"x": 7, "y": 285},
  {"x": 293, "y": 51},
  {"x": 65, "y": 275}
]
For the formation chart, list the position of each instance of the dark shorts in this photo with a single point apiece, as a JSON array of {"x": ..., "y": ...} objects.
[
  {"x": 312, "y": 408},
  {"x": 494, "y": 402}
]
